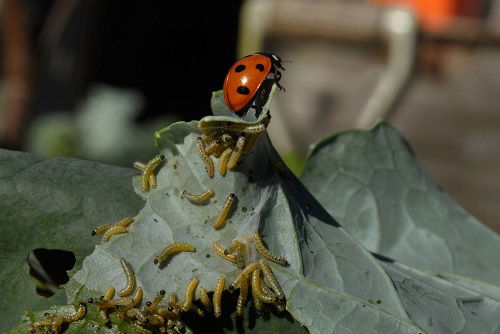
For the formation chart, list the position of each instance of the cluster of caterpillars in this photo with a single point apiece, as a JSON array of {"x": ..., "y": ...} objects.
[
  {"x": 228, "y": 142},
  {"x": 256, "y": 278},
  {"x": 152, "y": 317},
  {"x": 265, "y": 287},
  {"x": 53, "y": 323}
]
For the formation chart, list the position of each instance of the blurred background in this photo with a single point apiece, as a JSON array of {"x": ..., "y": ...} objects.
[{"x": 95, "y": 79}]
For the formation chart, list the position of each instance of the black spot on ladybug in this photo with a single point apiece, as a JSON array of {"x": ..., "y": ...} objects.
[
  {"x": 260, "y": 67},
  {"x": 239, "y": 68},
  {"x": 243, "y": 90}
]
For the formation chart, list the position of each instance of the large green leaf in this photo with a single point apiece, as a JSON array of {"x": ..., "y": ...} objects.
[
  {"x": 52, "y": 204},
  {"x": 373, "y": 184},
  {"x": 318, "y": 250},
  {"x": 333, "y": 284}
]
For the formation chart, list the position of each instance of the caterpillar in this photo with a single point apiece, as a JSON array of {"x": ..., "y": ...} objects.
[
  {"x": 189, "y": 294},
  {"x": 219, "y": 250},
  {"x": 245, "y": 273},
  {"x": 257, "y": 290},
  {"x": 224, "y": 212},
  {"x": 217, "y": 297},
  {"x": 129, "y": 273},
  {"x": 223, "y": 160},
  {"x": 148, "y": 171},
  {"x": 165, "y": 313},
  {"x": 240, "y": 249},
  {"x": 152, "y": 178},
  {"x": 242, "y": 297},
  {"x": 172, "y": 299},
  {"x": 80, "y": 312},
  {"x": 209, "y": 164},
  {"x": 268, "y": 273},
  {"x": 257, "y": 302},
  {"x": 173, "y": 305},
  {"x": 200, "y": 198},
  {"x": 210, "y": 135},
  {"x": 212, "y": 146},
  {"x": 139, "y": 165},
  {"x": 103, "y": 312},
  {"x": 112, "y": 231},
  {"x": 173, "y": 249},
  {"x": 152, "y": 307},
  {"x": 57, "y": 321},
  {"x": 259, "y": 245},
  {"x": 155, "y": 320},
  {"x": 225, "y": 144},
  {"x": 227, "y": 138},
  {"x": 198, "y": 310},
  {"x": 221, "y": 125},
  {"x": 205, "y": 300},
  {"x": 134, "y": 313},
  {"x": 54, "y": 322},
  {"x": 213, "y": 126},
  {"x": 254, "y": 129},
  {"x": 103, "y": 228},
  {"x": 101, "y": 302},
  {"x": 135, "y": 300},
  {"x": 125, "y": 222},
  {"x": 109, "y": 293},
  {"x": 238, "y": 150},
  {"x": 266, "y": 290},
  {"x": 46, "y": 321}
]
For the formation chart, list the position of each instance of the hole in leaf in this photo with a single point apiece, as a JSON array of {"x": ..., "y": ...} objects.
[{"x": 48, "y": 267}]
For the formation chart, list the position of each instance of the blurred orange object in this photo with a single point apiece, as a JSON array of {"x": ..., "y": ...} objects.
[{"x": 437, "y": 14}]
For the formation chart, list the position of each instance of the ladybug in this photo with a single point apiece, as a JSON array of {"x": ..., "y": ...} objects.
[{"x": 249, "y": 79}]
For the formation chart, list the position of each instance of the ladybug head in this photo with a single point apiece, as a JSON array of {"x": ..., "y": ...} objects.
[{"x": 275, "y": 60}]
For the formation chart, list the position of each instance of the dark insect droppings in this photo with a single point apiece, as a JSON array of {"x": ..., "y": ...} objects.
[
  {"x": 239, "y": 68},
  {"x": 243, "y": 90}
]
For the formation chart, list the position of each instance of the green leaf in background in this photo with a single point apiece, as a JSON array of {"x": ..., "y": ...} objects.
[
  {"x": 53, "y": 204},
  {"x": 102, "y": 128},
  {"x": 437, "y": 306},
  {"x": 373, "y": 184}
]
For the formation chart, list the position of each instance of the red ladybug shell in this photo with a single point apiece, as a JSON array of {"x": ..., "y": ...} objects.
[{"x": 244, "y": 79}]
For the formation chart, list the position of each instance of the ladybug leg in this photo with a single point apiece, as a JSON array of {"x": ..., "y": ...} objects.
[
  {"x": 259, "y": 105},
  {"x": 277, "y": 77},
  {"x": 241, "y": 112},
  {"x": 280, "y": 86}
]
